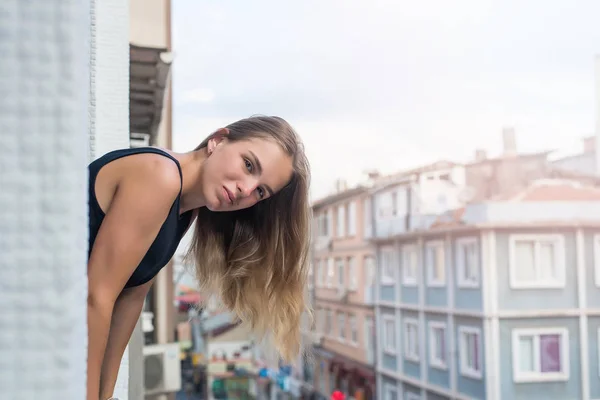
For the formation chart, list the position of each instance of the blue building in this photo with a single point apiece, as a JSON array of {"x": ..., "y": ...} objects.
[{"x": 495, "y": 300}]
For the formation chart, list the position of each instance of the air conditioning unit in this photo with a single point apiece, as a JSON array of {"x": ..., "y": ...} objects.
[{"x": 162, "y": 369}]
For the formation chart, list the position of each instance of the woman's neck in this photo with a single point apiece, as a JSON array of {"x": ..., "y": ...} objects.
[{"x": 191, "y": 170}]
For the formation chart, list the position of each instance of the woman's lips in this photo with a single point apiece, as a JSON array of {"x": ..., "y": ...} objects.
[{"x": 228, "y": 196}]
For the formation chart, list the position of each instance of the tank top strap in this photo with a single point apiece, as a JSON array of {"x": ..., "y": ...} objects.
[{"x": 96, "y": 165}]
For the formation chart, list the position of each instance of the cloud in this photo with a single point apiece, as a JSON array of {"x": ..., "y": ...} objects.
[
  {"x": 388, "y": 83},
  {"x": 198, "y": 95}
]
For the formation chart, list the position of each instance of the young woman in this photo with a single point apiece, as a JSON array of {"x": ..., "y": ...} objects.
[{"x": 246, "y": 186}]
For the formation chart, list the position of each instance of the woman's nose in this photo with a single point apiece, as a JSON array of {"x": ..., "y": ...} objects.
[{"x": 246, "y": 188}]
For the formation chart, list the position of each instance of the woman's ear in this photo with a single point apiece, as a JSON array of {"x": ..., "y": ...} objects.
[{"x": 216, "y": 139}]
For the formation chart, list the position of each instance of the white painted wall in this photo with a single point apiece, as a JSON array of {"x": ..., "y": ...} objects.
[
  {"x": 109, "y": 111},
  {"x": 110, "y": 76},
  {"x": 44, "y": 81}
]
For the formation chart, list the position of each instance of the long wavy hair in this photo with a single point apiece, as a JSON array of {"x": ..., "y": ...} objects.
[{"x": 255, "y": 260}]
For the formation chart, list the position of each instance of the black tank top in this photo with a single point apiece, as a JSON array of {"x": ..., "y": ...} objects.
[{"x": 170, "y": 234}]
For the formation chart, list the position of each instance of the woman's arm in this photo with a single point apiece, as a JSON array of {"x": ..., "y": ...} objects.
[
  {"x": 126, "y": 313},
  {"x": 138, "y": 209}
]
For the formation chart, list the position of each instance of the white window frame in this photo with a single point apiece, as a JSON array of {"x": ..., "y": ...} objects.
[
  {"x": 353, "y": 322},
  {"x": 388, "y": 272},
  {"x": 388, "y": 389},
  {"x": 367, "y": 217},
  {"x": 411, "y": 396},
  {"x": 525, "y": 377},
  {"x": 341, "y": 325},
  {"x": 431, "y": 280},
  {"x": 465, "y": 370},
  {"x": 389, "y": 319},
  {"x": 340, "y": 226},
  {"x": 340, "y": 267},
  {"x": 407, "y": 280},
  {"x": 352, "y": 273},
  {"x": 597, "y": 259},
  {"x": 435, "y": 362},
  {"x": 461, "y": 263},
  {"x": 559, "y": 256},
  {"x": 330, "y": 272},
  {"x": 319, "y": 272},
  {"x": 351, "y": 225},
  {"x": 411, "y": 354}
]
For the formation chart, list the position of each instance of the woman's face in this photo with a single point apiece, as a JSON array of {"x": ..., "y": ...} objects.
[{"x": 239, "y": 174}]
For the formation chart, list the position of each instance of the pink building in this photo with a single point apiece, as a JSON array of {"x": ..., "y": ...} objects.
[{"x": 343, "y": 267}]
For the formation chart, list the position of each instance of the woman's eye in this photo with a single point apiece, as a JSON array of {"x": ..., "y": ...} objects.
[
  {"x": 248, "y": 165},
  {"x": 261, "y": 192}
]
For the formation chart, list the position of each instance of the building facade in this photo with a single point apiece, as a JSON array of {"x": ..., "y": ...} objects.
[
  {"x": 343, "y": 266},
  {"x": 495, "y": 301}
]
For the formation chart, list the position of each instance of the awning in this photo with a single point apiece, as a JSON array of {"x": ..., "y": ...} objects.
[
  {"x": 345, "y": 366},
  {"x": 148, "y": 70}
]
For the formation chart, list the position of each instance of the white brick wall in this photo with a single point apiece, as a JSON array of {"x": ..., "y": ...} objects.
[
  {"x": 109, "y": 102},
  {"x": 109, "y": 114},
  {"x": 43, "y": 214}
]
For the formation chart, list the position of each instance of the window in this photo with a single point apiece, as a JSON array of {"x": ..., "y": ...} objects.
[
  {"x": 467, "y": 262},
  {"x": 388, "y": 273},
  {"x": 341, "y": 326},
  {"x": 436, "y": 265},
  {"x": 437, "y": 345},
  {"x": 394, "y": 203},
  {"x": 411, "y": 339},
  {"x": 353, "y": 329},
  {"x": 323, "y": 224},
  {"x": 537, "y": 261},
  {"x": 384, "y": 203},
  {"x": 328, "y": 321},
  {"x": 470, "y": 352},
  {"x": 320, "y": 320},
  {"x": 540, "y": 355},
  {"x": 409, "y": 265},
  {"x": 319, "y": 272},
  {"x": 311, "y": 275},
  {"x": 351, "y": 218},
  {"x": 597, "y": 258},
  {"x": 341, "y": 274},
  {"x": 412, "y": 396},
  {"x": 369, "y": 267},
  {"x": 389, "y": 334},
  {"x": 352, "y": 273},
  {"x": 330, "y": 273},
  {"x": 367, "y": 215},
  {"x": 341, "y": 221},
  {"x": 390, "y": 392}
]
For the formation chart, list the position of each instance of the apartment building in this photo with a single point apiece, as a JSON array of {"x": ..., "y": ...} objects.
[
  {"x": 496, "y": 300},
  {"x": 412, "y": 199},
  {"x": 343, "y": 267}
]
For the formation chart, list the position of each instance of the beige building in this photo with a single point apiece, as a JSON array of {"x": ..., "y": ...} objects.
[{"x": 343, "y": 265}]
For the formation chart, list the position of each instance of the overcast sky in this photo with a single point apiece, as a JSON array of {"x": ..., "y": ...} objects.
[{"x": 388, "y": 84}]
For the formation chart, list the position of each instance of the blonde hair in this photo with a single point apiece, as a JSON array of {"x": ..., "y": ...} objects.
[{"x": 256, "y": 260}]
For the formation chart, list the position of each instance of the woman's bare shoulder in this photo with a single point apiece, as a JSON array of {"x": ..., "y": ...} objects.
[{"x": 144, "y": 173}]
